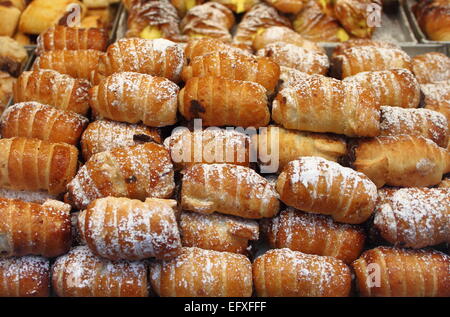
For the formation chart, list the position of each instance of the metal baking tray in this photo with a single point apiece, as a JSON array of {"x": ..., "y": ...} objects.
[
  {"x": 407, "y": 5},
  {"x": 118, "y": 7}
]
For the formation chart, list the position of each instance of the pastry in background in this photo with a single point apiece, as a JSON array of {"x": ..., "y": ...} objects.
[
  {"x": 9, "y": 18},
  {"x": 12, "y": 56},
  {"x": 315, "y": 25},
  {"x": 6, "y": 89},
  {"x": 355, "y": 15},
  {"x": 182, "y": 6},
  {"x": 339, "y": 49},
  {"x": 238, "y": 6},
  {"x": 260, "y": 17},
  {"x": 154, "y": 19},
  {"x": 287, "y": 6},
  {"x": 22, "y": 38},
  {"x": 433, "y": 17},
  {"x": 208, "y": 20},
  {"x": 42, "y": 14}
]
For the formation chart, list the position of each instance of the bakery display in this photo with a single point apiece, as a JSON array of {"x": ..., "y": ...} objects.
[
  {"x": 217, "y": 148},
  {"x": 433, "y": 17}
]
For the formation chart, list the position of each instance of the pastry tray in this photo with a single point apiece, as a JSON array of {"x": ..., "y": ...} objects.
[{"x": 407, "y": 5}]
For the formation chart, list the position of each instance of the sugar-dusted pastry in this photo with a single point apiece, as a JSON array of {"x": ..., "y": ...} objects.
[
  {"x": 39, "y": 15},
  {"x": 12, "y": 56},
  {"x": 137, "y": 172},
  {"x": 395, "y": 87},
  {"x": 212, "y": 145},
  {"x": 129, "y": 229},
  {"x": 80, "y": 273},
  {"x": 287, "y": 273},
  {"x": 199, "y": 46},
  {"x": 27, "y": 276},
  {"x": 71, "y": 38},
  {"x": 339, "y": 49},
  {"x": 290, "y": 77},
  {"x": 414, "y": 217},
  {"x": 323, "y": 104},
  {"x": 238, "y": 6},
  {"x": 260, "y": 17},
  {"x": 403, "y": 160},
  {"x": 293, "y": 56},
  {"x": 202, "y": 273},
  {"x": 313, "y": 184},
  {"x": 153, "y": 20},
  {"x": 211, "y": 19},
  {"x": 314, "y": 24},
  {"x": 218, "y": 232},
  {"x": 133, "y": 97},
  {"x": 220, "y": 101},
  {"x": 355, "y": 16},
  {"x": 283, "y": 34},
  {"x": 234, "y": 65},
  {"x": 417, "y": 122},
  {"x": 105, "y": 135},
  {"x": 29, "y": 228},
  {"x": 433, "y": 17},
  {"x": 228, "y": 189},
  {"x": 314, "y": 234},
  {"x": 77, "y": 64},
  {"x": 35, "y": 120},
  {"x": 52, "y": 88},
  {"x": 431, "y": 67},
  {"x": 287, "y": 6},
  {"x": 32, "y": 164},
  {"x": 159, "y": 57},
  {"x": 437, "y": 95},
  {"x": 182, "y": 6},
  {"x": 393, "y": 272},
  {"x": 360, "y": 59},
  {"x": 292, "y": 144}
]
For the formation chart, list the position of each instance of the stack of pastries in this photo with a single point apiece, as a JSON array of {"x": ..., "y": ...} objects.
[{"x": 296, "y": 183}]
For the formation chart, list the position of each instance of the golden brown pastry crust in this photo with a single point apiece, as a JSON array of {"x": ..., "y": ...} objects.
[
  {"x": 160, "y": 57},
  {"x": 80, "y": 273},
  {"x": 360, "y": 59},
  {"x": 323, "y": 104},
  {"x": 233, "y": 65},
  {"x": 403, "y": 273},
  {"x": 293, "y": 56},
  {"x": 417, "y": 122},
  {"x": 72, "y": 39},
  {"x": 433, "y": 17},
  {"x": 52, "y": 88},
  {"x": 287, "y": 6},
  {"x": 202, "y": 273},
  {"x": 396, "y": 87},
  {"x": 27, "y": 276},
  {"x": 204, "y": 45},
  {"x": 78, "y": 64},
  {"x": 133, "y": 97},
  {"x": 292, "y": 144},
  {"x": 431, "y": 67},
  {"x": 209, "y": 146},
  {"x": 314, "y": 234},
  {"x": 218, "y": 232},
  {"x": 208, "y": 20},
  {"x": 12, "y": 56},
  {"x": 129, "y": 229},
  {"x": 228, "y": 189},
  {"x": 286, "y": 273},
  {"x": 239, "y": 6},
  {"x": 313, "y": 184},
  {"x": 354, "y": 15},
  {"x": 32, "y": 164},
  {"x": 260, "y": 17},
  {"x": 403, "y": 160},
  {"x": 414, "y": 217},
  {"x": 105, "y": 135},
  {"x": 136, "y": 172},
  {"x": 29, "y": 228},
  {"x": 221, "y": 101},
  {"x": 339, "y": 49},
  {"x": 35, "y": 120}
]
